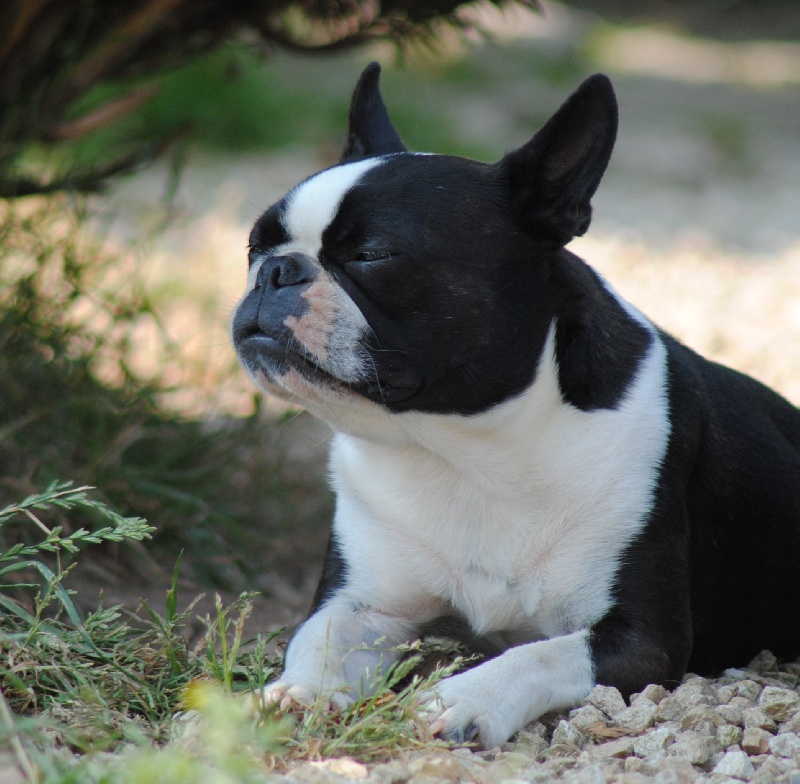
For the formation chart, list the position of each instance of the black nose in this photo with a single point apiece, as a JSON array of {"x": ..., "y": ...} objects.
[{"x": 278, "y": 272}]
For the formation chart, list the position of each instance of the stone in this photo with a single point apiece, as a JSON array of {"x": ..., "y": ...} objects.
[
  {"x": 317, "y": 773},
  {"x": 735, "y": 764},
  {"x": 786, "y": 746},
  {"x": 607, "y": 699},
  {"x": 506, "y": 765},
  {"x": 654, "y": 692},
  {"x": 632, "y": 777},
  {"x": 655, "y": 741},
  {"x": 537, "y": 728},
  {"x": 755, "y": 717},
  {"x": 344, "y": 766},
  {"x": 584, "y": 717},
  {"x": 779, "y": 704},
  {"x": 729, "y": 735},
  {"x": 765, "y": 661},
  {"x": 725, "y": 693},
  {"x": 566, "y": 733},
  {"x": 791, "y": 725},
  {"x": 440, "y": 767},
  {"x": 734, "y": 673},
  {"x": 771, "y": 771},
  {"x": 755, "y": 741},
  {"x": 733, "y": 711},
  {"x": 693, "y": 747},
  {"x": 638, "y": 717},
  {"x": 636, "y": 765},
  {"x": 670, "y": 709},
  {"x": 748, "y": 689},
  {"x": 591, "y": 774},
  {"x": 701, "y": 713},
  {"x": 622, "y": 747},
  {"x": 559, "y": 750},
  {"x": 675, "y": 770},
  {"x": 531, "y": 744},
  {"x": 695, "y": 691}
]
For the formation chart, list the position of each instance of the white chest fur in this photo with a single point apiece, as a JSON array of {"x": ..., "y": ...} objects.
[{"x": 515, "y": 518}]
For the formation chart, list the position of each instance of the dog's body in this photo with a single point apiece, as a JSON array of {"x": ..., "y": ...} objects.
[{"x": 517, "y": 449}]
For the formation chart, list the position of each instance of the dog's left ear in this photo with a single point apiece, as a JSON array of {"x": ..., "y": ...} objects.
[
  {"x": 371, "y": 130},
  {"x": 553, "y": 177}
]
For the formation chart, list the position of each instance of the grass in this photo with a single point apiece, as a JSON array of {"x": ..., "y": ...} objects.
[
  {"x": 74, "y": 402},
  {"x": 97, "y": 699}
]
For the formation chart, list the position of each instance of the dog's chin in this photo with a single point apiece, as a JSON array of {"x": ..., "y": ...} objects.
[{"x": 295, "y": 377}]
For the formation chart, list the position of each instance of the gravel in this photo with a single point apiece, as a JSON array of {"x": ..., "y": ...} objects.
[{"x": 741, "y": 727}]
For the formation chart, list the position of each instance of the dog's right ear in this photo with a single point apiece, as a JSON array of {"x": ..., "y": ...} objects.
[
  {"x": 553, "y": 177},
  {"x": 371, "y": 130}
]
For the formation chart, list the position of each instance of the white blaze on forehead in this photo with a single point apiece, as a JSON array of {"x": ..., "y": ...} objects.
[{"x": 313, "y": 204}]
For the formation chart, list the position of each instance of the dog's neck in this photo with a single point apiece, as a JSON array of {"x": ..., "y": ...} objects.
[
  {"x": 578, "y": 360},
  {"x": 493, "y": 448}
]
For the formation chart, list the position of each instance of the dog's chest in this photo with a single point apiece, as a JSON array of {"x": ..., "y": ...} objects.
[{"x": 522, "y": 525}]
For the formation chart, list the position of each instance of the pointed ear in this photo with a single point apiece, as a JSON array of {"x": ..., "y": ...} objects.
[
  {"x": 371, "y": 131},
  {"x": 553, "y": 177}
]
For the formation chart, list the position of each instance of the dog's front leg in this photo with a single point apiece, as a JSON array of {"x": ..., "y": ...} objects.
[
  {"x": 490, "y": 702},
  {"x": 339, "y": 652}
]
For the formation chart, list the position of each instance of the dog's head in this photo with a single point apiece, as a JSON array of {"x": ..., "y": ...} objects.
[{"x": 414, "y": 281}]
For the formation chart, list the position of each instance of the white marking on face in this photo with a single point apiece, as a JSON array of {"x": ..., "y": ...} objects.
[
  {"x": 310, "y": 208},
  {"x": 313, "y": 204}
]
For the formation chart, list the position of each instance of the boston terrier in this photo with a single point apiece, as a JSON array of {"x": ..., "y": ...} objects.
[{"x": 519, "y": 453}]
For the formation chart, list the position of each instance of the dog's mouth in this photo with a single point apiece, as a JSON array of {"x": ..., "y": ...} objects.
[
  {"x": 271, "y": 356},
  {"x": 276, "y": 358}
]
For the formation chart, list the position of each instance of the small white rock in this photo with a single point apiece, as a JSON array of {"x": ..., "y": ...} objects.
[
  {"x": 607, "y": 699},
  {"x": 755, "y": 741},
  {"x": 566, "y": 733},
  {"x": 786, "y": 746},
  {"x": 638, "y": 717},
  {"x": 654, "y": 741},
  {"x": 701, "y": 713},
  {"x": 748, "y": 689},
  {"x": 693, "y": 747},
  {"x": 755, "y": 717},
  {"x": 586, "y": 716},
  {"x": 654, "y": 692},
  {"x": 736, "y": 764},
  {"x": 729, "y": 735},
  {"x": 620, "y": 748},
  {"x": 777, "y": 703}
]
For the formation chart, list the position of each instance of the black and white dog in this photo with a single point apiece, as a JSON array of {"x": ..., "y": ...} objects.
[{"x": 517, "y": 450}]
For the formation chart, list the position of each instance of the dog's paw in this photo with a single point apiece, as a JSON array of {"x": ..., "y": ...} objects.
[
  {"x": 286, "y": 696},
  {"x": 461, "y": 713}
]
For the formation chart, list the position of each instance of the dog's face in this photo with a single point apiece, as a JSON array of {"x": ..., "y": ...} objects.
[{"x": 415, "y": 282}]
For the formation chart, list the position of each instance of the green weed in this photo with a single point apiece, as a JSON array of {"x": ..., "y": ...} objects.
[
  {"x": 74, "y": 402},
  {"x": 103, "y": 698}
]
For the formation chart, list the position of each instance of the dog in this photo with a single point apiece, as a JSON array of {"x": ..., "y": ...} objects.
[{"x": 518, "y": 453}]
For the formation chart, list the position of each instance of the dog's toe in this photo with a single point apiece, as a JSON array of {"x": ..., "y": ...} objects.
[
  {"x": 468, "y": 734},
  {"x": 452, "y": 726},
  {"x": 288, "y": 697}
]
